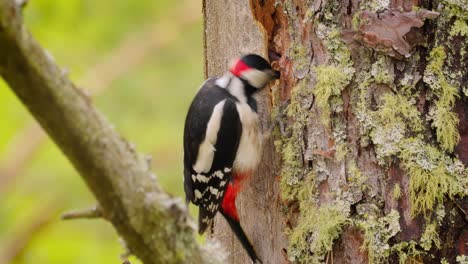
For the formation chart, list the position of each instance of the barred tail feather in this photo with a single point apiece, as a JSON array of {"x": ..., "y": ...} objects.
[{"x": 205, "y": 220}]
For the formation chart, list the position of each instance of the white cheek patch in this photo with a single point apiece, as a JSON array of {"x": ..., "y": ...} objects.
[
  {"x": 206, "y": 150},
  {"x": 256, "y": 78}
]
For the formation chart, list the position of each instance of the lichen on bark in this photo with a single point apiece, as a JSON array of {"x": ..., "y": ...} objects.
[{"x": 372, "y": 128}]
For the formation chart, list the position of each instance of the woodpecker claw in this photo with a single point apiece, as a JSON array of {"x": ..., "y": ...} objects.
[{"x": 277, "y": 121}]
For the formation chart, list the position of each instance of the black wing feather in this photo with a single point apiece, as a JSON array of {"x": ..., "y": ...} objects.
[{"x": 226, "y": 148}]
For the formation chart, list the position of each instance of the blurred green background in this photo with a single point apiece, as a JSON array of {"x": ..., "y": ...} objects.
[{"x": 141, "y": 61}]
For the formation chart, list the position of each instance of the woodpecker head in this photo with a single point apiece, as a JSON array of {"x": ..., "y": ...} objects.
[{"x": 254, "y": 70}]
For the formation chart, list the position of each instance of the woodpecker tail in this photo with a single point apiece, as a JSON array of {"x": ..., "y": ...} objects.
[
  {"x": 205, "y": 219},
  {"x": 237, "y": 229}
]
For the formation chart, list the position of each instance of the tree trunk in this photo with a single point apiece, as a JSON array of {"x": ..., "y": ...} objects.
[{"x": 373, "y": 94}]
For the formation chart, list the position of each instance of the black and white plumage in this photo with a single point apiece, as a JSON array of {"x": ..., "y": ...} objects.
[{"x": 223, "y": 141}]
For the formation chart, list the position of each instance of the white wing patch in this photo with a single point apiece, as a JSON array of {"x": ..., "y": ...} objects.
[
  {"x": 203, "y": 178},
  {"x": 198, "y": 194},
  {"x": 213, "y": 190},
  {"x": 206, "y": 150},
  {"x": 219, "y": 174}
]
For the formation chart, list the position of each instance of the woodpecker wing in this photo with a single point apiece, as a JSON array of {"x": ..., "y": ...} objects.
[{"x": 211, "y": 138}]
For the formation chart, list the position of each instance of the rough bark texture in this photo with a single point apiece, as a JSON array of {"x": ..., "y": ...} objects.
[
  {"x": 373, "y": 163},
  {"x": 153, "y": 224}
]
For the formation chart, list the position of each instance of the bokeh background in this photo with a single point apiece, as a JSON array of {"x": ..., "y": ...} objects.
[{"x": 141, "y": 61}]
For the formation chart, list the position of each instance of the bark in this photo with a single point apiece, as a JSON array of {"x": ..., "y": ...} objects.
[
  {"x": 154, "y": 225},
  {"x": 373, "y": 164}
]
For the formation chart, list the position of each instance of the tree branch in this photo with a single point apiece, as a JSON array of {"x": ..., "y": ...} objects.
[{"x": 154, "y": 225}]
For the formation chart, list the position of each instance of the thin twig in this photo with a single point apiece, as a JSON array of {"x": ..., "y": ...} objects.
[{"x": 90, "y": 213}]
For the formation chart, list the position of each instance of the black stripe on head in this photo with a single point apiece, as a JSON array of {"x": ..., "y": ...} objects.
[{"x": 255, "y": 61}]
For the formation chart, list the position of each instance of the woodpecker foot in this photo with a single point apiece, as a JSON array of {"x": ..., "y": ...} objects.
[{"x": 278, "y": 121}]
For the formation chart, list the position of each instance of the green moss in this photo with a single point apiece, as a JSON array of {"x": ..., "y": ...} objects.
[
  {"x": 355, "y": 176},
  {"x": 341, "y": 150},
  {"x": 316, "y": 230},
  {"x": 395, "y": 119},
  {"x": 429, "y": 237},
  {"x": 330, "y": 82},
  {"x": 356, "y": 21},
  {"x": 380, "y": 70},
  {"x": 377, "y": 5},
  {"x": 456, "y": 8},
  {"x": 317, "y": 227},
  {"x": 361, "y": 99},
  {"x": 291, "y": 170},
  {"x": 298, "y": 53},
  {"x": 445, "y": 122},
  {"x": 377, "y": 233},
  {"x": 407, "y": 252},
  {"x": 459, "y": 28},
  {"x": 396, "y": 192},
  {"x": 329, "y": 10},
  {"x": 399, "y": 109},
  {"x": 462, "y": 259},
  {"x": 430, "y": 179}
]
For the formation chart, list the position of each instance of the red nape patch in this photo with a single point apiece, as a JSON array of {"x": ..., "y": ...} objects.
[
  {"x": 229, "y": 201},
  {"x": 238, "y": 68}
]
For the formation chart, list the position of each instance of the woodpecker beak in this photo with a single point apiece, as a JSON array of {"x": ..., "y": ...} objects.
[{"x": 276, "y": 75}]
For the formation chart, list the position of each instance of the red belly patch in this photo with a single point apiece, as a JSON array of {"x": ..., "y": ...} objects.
[{"x": 229, "y": 201}]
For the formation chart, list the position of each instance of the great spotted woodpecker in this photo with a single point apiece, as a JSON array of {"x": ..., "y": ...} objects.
[{"x": 223, "y": 142}]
